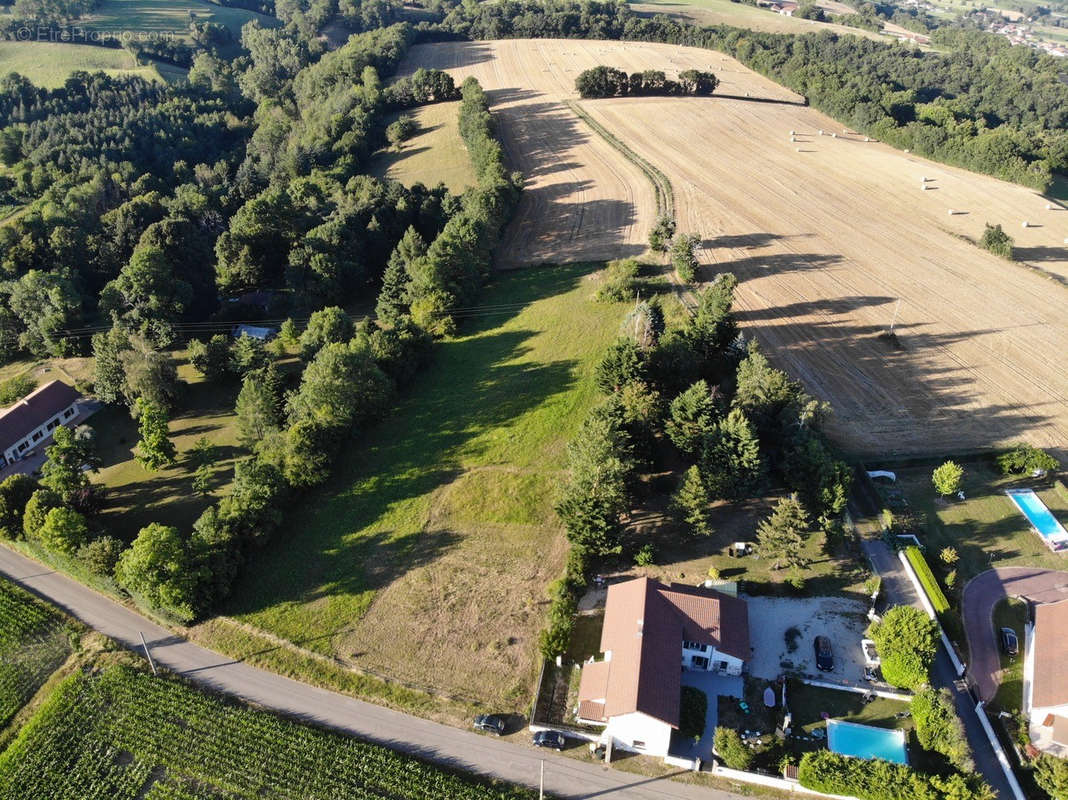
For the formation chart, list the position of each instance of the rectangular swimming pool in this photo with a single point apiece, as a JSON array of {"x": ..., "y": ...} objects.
[
  {"x": 864, "y": 741},
  {"x": 1040, "y": 517}
]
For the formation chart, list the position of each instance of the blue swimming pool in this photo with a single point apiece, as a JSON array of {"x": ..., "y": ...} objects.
[
  {"x": 1032, "y": 507},
  {"x": 864, "y": 741}
]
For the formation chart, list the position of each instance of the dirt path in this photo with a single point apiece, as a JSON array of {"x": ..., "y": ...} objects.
[{"x": 981, "y": 595}]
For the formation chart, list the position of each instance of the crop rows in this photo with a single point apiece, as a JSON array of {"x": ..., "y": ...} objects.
[
  {"x": 33, "y": 644},
  {"x": 113, "y": 732}
]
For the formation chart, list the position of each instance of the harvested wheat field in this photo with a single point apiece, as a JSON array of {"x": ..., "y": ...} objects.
[{"x": 826, "y": 235}]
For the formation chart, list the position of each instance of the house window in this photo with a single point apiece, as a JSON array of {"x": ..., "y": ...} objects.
[
  {"x": 23, "y": 446},
  {"x": 68, "y": 413},
  {"x": 638, "y": 743},
  {"x": 51, "y": 424},
  {"x": 37, "y": 435},
  {"x": 693, "y": 646}
]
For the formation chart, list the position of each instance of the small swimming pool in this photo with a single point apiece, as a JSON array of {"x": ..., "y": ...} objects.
[
  {"x": 864, "y": 741},
  {"x": 1040, "y": 517}
]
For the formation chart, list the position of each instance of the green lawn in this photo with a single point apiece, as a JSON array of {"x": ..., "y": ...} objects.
[
  {"x": 437, "y": 535},
  {"x": 435, "y": 154},
  {"x": 986, "y": 528},
  {"x": 136, "y": 496},
  {"x": 808, "y": 703},
  {"x": 1010, "y": 613},
  {"x": 168, "y": 16},
  {"x": 50, "y": 64}
]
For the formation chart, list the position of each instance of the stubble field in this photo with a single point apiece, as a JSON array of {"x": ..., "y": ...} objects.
[{"x": 826, "y": 234}]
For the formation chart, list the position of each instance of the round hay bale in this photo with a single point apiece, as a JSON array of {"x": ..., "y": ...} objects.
[
  {"x": 951, "y": 212},
  {"x": 1024, "y": 224},
  {"x": 793, "y": 133},
  {"x": 799, "y": 149},
  {"x": 821, "y": 131},
  {"x": 834, "y": 135},
  {"x": 906, "y": 149},
  {"x": 1049, "y": 206},
  {"x": 866, "y": 139}
]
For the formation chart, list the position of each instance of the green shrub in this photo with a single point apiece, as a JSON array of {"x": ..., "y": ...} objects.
[
  {"x": 14, "y": 389},
  {"x": 1025, "y": 458},
  {"x": 730, "y": 747},
  {"x": 907, "y": 639},
  {"x": 997, "y": 241},
  {"x": 927, "y": 578},
  {"x": 620, "y": 279},
  {"x": 1051, "y": 773},
  {"x": 938, "y": 728},
  {"x": 556, "y": 638},
  {"x": 645, "y": 556},
  {"x": 693, "y": 706},
  {"x": 875, "y": 779}
]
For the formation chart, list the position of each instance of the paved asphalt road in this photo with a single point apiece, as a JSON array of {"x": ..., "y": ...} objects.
[
  {"x": 899, "y": 590},
  {"x": 981, "y": 595},
  {"x": 564, "y": 777}
]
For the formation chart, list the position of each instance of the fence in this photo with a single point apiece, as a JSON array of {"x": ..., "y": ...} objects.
[{"x": 849, "y": 687}]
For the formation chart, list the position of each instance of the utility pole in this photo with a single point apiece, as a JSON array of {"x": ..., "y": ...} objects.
[
  {"x": 541, "y": 782},
  {"x": 148, "y": 654},
  {"x": 893, "y": 320}
]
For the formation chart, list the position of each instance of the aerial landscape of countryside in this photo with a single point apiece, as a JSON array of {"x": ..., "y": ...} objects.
[{"x": 533, "y": 398}]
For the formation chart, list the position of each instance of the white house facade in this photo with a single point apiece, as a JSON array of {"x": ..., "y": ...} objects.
[{"x": 29, "y": 423}]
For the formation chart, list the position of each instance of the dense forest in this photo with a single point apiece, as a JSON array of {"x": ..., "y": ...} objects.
[{"x": 979, "y": 103}]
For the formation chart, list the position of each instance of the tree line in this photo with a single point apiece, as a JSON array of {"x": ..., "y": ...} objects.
[
  {"x": 977, "y": 102},
  {"x": 605, "y": 81}
]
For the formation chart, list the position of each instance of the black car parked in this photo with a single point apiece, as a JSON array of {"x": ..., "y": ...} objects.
[
  {"x": 553, "y": 739},
  {"x": 1009, "y": 643},
  {"x": 824, "y": 654},
  {"x": 490, "y": 723}
]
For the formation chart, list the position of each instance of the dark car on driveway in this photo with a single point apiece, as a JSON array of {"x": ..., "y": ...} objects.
[
  {"x": 1009, "y": 643},
  {"x": 490, "y": 723},
  {"x": 553, "y": 739},
  {"x": 824, "y": 654}
]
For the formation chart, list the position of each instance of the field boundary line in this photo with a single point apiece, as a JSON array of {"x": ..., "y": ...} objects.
[{"x": 665, "y": 194}]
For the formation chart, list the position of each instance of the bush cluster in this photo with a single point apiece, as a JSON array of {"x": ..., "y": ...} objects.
[
  {"x": 609, "y": 82},
  {"x": 875, "y": 779},
  {"x": 939, "y": 729},
  {"x": 927, "y": 579}
]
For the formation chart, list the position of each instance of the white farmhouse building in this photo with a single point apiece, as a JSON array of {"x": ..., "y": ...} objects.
[
  {"x": 651, "y": 633},
  {"x": 1046, "y": 678},
  {"x": 27, "y": 426}
]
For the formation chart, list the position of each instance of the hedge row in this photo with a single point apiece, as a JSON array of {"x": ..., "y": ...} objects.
[
  {"x": 875, "y": 779},
  {"x": 927, "y": 578}
]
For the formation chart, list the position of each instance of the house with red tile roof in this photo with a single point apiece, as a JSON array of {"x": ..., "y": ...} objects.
[
  {"x": 27, "y": 426},
  {"x": 1046, "y": 678},
  {"x": 651, "y": 633}
]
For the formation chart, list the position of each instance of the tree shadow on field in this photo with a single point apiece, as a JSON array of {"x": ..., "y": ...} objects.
[
  {"x": 444, "y": 55},
  {"x": 772, "y": 264},
  {"x": 756, "y": 239},
  {"x": 888, "y": 401},
  {"x": 1040, "y": 253},
  {"x": 833, "y": 307},
  {"x": 359, "y": 532}
]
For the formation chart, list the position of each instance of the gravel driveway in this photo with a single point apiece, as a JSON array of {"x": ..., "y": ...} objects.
[{"x": 842, "y": 621}]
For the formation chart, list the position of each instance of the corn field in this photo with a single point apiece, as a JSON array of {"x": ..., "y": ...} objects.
[
  {"x": 33, "y": 643},
  {"x": 123, "y": 733}
]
